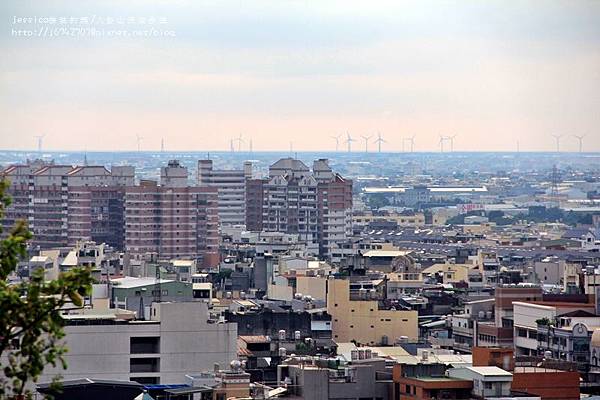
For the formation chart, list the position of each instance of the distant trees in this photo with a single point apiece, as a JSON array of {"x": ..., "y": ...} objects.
[
  {"x": 377, "y": 200},
  {"x": 31, "y": 327}
]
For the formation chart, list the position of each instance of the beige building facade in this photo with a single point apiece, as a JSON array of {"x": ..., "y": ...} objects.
[{"x": 362, "y": 320}]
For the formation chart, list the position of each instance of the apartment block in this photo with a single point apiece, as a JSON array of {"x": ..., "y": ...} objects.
[
  {"x": 317, "y": 204},
  {"x": 64, "y": 204},
  {"x": 254, "y": 204},
  {"x": 177, "y": 339},
  {"x": 231, "y": 185},
  {"x": 172, "y": 219}
]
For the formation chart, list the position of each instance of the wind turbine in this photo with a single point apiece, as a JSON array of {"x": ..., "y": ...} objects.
[
  {"x": 451, "y": 139},
  {"x": 337, "y": 142},
  {"x": 366, "y": 142},
  {"x": 250, "y": 145},
  {"x": 580, "y": 138},
  {"x": 411, "y": 140},
  {"x": 349, "y": 141},
  {"x": 240, "y": 141},
  {"x": 379, "y": 140},
  {"x": 162, "y": 145},
  {"x": 39, "y": 138},
  {"x": 442, "y": 138},
  {"x": 138, "y": 139},
  {"x": 557, "y": 137},
  {"x": 412, "y": 143}
]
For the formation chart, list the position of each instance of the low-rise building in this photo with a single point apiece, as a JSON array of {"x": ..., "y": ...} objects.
[{"x": 363, "y": 320}]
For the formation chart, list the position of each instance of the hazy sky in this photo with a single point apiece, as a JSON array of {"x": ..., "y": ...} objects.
[{"x": 302, "y": 71}]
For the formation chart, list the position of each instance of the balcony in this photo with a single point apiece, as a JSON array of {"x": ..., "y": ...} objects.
[{"x": 143, "y": 365}]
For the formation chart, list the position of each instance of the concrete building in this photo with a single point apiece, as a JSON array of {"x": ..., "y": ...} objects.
[
  {"x": 561, "y": 330},
  {"x": 231, "y": 186},
  {"x": 428, "y": 380},
  {"x": 465, "y": 325},
  {"x": 173, "y": 219},
  {"x": 318, "y": 380},
  {"x": 316, "y": 205},
  {"x": 361, "y": 319},
  {"x": 488, "y": 382},
  {"x": 64, "y": 204},
  {"x": 537, "y": 376},
  {"x": 137, "y": 294},
  {"x": 179, "y": 339}
]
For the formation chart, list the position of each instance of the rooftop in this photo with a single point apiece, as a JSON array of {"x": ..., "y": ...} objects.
[
  {"x": 386, "y": 253},
  {"x": 129, "y": 282},
  {"x": 489, "y": 371}
]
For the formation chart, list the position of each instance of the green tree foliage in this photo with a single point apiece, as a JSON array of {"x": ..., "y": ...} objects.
[
  {"x": 31, "y": 327},
  {"x": 377, "y": 200}
]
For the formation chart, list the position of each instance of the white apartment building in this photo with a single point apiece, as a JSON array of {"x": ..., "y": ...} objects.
[
  {"x": 231, "y": 186},
  {"x": 177, "y": 340}
]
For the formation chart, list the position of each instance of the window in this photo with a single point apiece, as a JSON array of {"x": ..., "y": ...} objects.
[
  {"x": 137, "y": 365},
  {"x": 144, "y": 345}
]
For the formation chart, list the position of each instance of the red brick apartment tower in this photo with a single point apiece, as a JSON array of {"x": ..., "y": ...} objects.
[
  {"x": 64, "y": 204},
  {"x": 174, "y": 219}
]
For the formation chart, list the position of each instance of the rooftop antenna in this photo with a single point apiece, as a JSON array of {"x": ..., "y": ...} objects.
[
  {"x": 379, "y": 140},
  {"x": 580, "y": 138},
  {"x": 337, "y": 142},
  {"x": 349, "y": 141},
  {"x": 162, "y": 145},
  {"x": 366, "y": 138},
  {"x": 138, "y": 138},
  {"x": 40, "y": 139},
  {"x": 557, "y": 138}
]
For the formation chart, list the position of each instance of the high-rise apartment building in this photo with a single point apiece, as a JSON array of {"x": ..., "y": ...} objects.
[
  {"x": 173, "y": 219},
  {"x": 231, "y": 185},
  {"x": 315, "y": 204},
  {"x": 64, "y": 204}
]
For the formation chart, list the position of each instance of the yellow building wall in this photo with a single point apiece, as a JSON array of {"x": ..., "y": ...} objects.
[
  {"x": 362, "y": 321},
  {"x": 452, "y": 273},
  {"x": 312, "y": 286}
]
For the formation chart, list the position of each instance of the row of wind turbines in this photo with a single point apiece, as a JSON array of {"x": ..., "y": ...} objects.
[{"x": 408, "y": 143}]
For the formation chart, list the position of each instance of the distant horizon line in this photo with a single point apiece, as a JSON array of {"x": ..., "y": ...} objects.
[{"x": 158, "y": 152}]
